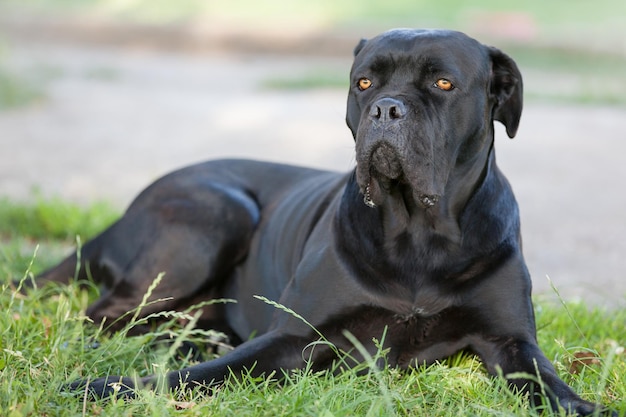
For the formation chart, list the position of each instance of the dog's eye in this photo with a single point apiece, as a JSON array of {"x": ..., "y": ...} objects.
[
  {"x": 444, "y": 84},
  {"x": 364, "y": 84}
]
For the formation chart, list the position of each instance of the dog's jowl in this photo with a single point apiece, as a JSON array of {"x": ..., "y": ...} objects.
[{"x": 421, "y": 241}]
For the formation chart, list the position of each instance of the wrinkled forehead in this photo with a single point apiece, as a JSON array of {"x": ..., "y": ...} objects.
[{"x": 437, "y": 50}]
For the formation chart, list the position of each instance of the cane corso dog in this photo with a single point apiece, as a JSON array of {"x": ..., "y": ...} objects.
[{"x": 419, "y": 243}]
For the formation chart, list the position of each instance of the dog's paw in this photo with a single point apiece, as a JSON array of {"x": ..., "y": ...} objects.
[
  {"x": 107, "y": 387},
  {"x": 584, "y": 408}
]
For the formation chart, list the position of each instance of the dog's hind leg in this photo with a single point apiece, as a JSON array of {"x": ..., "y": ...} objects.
[
  {"x": 191, "y": 237},
  {"x": 75, "y": 267}
]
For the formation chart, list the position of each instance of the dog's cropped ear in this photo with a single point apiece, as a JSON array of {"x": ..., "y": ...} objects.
[
  {"x": 506, "y": 90},
  {"x": 359, "y": 46}
]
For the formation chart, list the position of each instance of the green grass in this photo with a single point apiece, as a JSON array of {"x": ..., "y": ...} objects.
[
  {"x": 314, "y": 80},
  {"x": 46, "y": 341},
  {"x": 51, "y": 223},
  {"x": 53, "y": 218},
  {"x": 20, "y": 88},
  {"x": 16, "y": 91}
]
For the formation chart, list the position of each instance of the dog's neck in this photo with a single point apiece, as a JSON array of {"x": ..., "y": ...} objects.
[{"x": 467, "y": 177}]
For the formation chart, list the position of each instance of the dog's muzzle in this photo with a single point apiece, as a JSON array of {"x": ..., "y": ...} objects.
[
  {"x": 385, "y": 160},
  {"x": 385, "y": 170}
]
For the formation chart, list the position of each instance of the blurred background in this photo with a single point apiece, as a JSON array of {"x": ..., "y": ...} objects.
[{"x": 100, "y": 97}]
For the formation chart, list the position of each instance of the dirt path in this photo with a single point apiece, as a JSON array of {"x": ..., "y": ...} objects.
[{"x": 113, "y": 120}]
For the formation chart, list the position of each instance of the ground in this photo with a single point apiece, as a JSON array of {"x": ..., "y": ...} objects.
[{"x": 113, "y": 119}]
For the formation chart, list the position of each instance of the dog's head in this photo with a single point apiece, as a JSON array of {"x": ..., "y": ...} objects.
[{"x": 421, "y": 104}]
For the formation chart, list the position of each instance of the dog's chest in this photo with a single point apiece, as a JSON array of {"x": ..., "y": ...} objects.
[{"x": 407, "y": 304}]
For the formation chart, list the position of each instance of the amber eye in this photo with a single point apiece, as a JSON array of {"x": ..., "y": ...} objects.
[
  {"x": 444, "y": 84},
  {"x": 364, "y": 84}
]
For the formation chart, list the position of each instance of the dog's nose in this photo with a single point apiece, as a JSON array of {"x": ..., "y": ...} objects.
[{"x": 387, "y": 109}]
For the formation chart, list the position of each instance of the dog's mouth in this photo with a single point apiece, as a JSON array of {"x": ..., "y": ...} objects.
[
  {"x": 386, "y": 174},
  {"x": 381, "y": 187}
]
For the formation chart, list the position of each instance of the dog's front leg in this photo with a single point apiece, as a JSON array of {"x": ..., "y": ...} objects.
[
  {"x": 523, "y": 364},
  {"x": 271, "y": 352},
  {"x": 263, "y": 355}
]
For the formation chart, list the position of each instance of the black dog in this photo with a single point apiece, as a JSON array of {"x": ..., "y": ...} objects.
[{"x": 421, "y": 240}]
